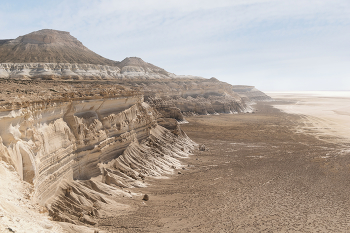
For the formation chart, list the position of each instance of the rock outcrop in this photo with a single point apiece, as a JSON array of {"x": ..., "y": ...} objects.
[
  {"x": 250, "y": 93},
  {"x": 76, "y": 71},
  {"x": 80, "y": 153},
  {"x": 193, "y": 97},
  {"x": 80, "y": 130},
  {"x": 59, "y": 71}
]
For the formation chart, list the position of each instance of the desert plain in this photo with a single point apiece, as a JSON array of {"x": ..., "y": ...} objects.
[
  {"x": 93, "y": 145},
  {"x": 283, "y": 168}
]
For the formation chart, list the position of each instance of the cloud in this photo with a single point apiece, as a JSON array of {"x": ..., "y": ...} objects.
[{"x": 236, "y": 40}]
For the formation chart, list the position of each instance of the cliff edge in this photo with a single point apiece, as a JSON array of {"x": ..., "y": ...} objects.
[{"x": 78, "y": 131}]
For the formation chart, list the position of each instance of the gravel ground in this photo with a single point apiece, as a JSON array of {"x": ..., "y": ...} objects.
[{"x": 259, "y": 175}]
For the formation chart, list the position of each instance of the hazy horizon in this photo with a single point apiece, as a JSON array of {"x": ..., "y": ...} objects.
[{"x": 272, "y": 45}]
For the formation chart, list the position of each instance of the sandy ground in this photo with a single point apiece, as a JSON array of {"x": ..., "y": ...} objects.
[
  {"x": 325, "y": 113},
  {"x": 259, "y": 175}
]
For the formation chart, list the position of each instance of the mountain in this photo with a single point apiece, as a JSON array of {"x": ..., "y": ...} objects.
[
  {"x": 48, "y": 46},
  {"x": 77, "y": 130},
  {"x": 135, "y": 66}
]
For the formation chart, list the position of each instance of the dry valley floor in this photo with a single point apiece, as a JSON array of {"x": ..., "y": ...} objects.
[{"x": 259, "y": 175}]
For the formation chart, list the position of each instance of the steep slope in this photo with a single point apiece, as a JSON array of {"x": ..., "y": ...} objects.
[
  {"x": 48, "y": 46},
  {"x": 193, "y": 96},
  {"x": 78, "y": 131},
  {"x": 134, "y": 66},
  {"x": 250, "y": 93},
  {"x": 79, "y": 150}
]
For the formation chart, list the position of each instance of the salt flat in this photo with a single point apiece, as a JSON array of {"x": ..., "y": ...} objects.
[{"x": 325, "y": 113}]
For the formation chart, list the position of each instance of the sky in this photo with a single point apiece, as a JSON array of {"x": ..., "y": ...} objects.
[{"x": 275, "y": 45}]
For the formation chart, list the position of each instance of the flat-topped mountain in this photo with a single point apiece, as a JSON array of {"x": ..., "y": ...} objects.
[
  {"x": 56, "y": 55},
  {"x": 48, "y": 46}
]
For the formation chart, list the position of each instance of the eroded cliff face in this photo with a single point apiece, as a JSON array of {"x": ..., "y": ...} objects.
[
  {"x": 79, "y": 154},
  {"x": 176, "y": 98},
  {"x": 250, "y": 93},
  {"x": 79, "y": 131},
  {"x": 58, "y": 71},
  {"x": 85, "y": 71}
]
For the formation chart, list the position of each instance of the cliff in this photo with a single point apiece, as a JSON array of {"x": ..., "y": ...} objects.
[
  {"x": 78, "y": 131},
  {"x": 79, "y": 153},
  {"x": 250, "y": 93}
]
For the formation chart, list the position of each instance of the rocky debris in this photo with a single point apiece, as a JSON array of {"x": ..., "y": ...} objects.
[
  {"x": 88, "y": 220},
  {"x": 68, "y": 191},
  {"x": 203, "y": 148},
  {"x": 145, "y": 197}
]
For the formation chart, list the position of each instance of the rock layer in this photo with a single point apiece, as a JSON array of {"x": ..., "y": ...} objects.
[
  {"x": 48, "y": 46},
  {"x": 250, "y": 93},
  {"x": 81, "y": 130},
  {"x": 77, "y": 154},
  {"x": 193, "y": 97},
  {"x": 76, "y": 71}
]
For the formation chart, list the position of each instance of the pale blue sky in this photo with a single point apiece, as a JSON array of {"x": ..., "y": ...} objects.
[{"x": 271, "y": 44}]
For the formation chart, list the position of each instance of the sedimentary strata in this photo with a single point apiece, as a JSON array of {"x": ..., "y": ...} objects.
[
  {"x": 81, "y": 130},
  {"x": 250, "y": 93},
  {"x": 76, "y": 71},
  {"x": 79, "y": 154}
]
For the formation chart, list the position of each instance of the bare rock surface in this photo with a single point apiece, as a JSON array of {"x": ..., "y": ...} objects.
[
  {"x": 79, "y": 145},
  {"x": 78, "y": 132},
  {"x": 260, "y": 175},
  {"x": 250, "y": 93},
  {"x": 48, "y": 46}
]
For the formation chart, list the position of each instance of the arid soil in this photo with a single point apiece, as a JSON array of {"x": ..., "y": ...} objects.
[
  {"x": 325, "y": 112},
  {"x": 258, "y": 175}
]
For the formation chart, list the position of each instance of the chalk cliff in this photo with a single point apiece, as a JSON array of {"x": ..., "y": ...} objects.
[
  {"x": 79, "y": 153},
  {"x": 78, "y": 131},
  {"x": 250, "y": 93}
]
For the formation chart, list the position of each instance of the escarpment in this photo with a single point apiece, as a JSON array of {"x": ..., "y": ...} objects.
[
  {"x": 81, "y": 130},
  {"x": 80, "y": 153},
  {"x": 193, "y": 97},
  {"x": 250, "y": 93}
]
